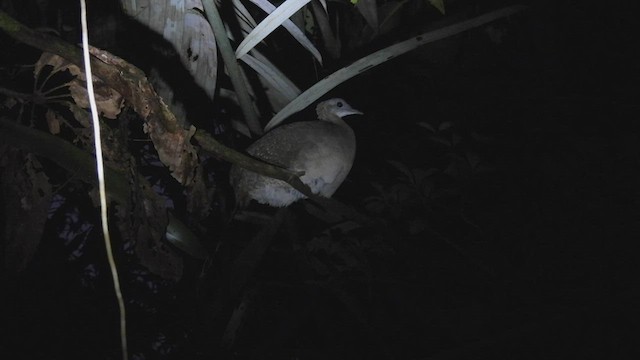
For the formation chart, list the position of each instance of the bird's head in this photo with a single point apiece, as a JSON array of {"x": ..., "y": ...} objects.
[{"x": 335, "y": 109}]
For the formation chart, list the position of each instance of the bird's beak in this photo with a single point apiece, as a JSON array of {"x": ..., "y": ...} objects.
[{"x": 349, "y": 111}]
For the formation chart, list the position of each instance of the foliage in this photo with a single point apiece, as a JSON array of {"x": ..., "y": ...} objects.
[
  {"x": 171, "y": 22},
  {"x": 338, "y": 261}
]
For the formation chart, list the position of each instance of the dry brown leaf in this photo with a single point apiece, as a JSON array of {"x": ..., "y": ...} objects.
[
  {"x": 171, "y": 140},
  {"x": 109, "y": 102},
  {"x": 53, "y": 121}
]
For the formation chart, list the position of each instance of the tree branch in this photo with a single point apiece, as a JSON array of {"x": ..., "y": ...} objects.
[
  {"x": 132, "y": 84},
  {"x": 82, "y": 165}
]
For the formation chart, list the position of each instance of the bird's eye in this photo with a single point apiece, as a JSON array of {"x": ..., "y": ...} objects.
[{"x": 339, "y": 104}]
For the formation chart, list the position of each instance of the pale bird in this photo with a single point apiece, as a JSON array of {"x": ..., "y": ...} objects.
[{"x": 323, "y": 149}]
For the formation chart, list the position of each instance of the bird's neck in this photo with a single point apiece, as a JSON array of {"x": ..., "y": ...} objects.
[{"x": 335, "y": 119}]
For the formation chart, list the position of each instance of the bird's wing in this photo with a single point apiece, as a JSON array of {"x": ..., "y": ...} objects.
[
  {"x": 324, "y": 151},
  {"x": 280, "y": 146}
]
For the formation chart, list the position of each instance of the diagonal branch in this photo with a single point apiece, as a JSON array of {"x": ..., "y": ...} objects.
[{"x": 128, "y": 80}]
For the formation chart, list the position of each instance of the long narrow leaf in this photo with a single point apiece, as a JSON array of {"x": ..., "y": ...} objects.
[
  {"x": 269, "y": 24},
  {"x": 247, "y": 23},
  {"x": 294, "y": 30},
  {"x": 274, "y": 77},
  {"x": 325, "y": 85},
  {"x": 369, "y": 10}
]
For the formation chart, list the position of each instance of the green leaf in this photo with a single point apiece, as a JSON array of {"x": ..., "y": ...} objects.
[
  {"x": 445, "y": 125},
  {"x": 440, "y": 140},
  {"x": 473, "y": 160},
  {"x": 427, "y": 126},
  {"x": 402, "y": 168},
  {"x": 438, "y": 4},
  {"x": 369, "y": 10}
]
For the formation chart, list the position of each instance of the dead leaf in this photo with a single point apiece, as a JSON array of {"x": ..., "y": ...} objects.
[
  {"x": 53, "y": 121},
  {"x": 109, "y": 101}
]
